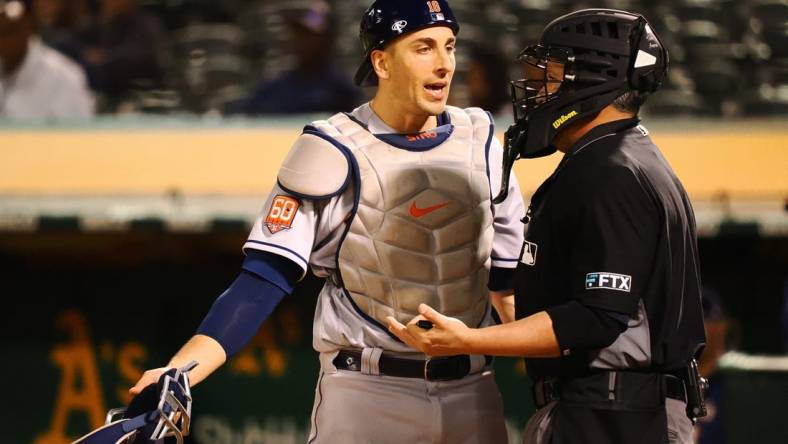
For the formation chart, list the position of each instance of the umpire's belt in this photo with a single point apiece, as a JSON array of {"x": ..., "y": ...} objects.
[
  {"x": 616, "y": 390},
  {"x": 432, "y": 369}
]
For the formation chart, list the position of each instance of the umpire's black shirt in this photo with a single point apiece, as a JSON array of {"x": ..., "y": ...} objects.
[{"x": 611, "y": 238}]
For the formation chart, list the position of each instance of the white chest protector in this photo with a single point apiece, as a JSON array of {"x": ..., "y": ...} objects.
[{"x": 422, "y": 231}]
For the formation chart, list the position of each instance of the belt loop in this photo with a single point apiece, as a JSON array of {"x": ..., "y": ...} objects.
[
  {"x": 611, "y": 386},
  {"x": 370, "y": 361},
  {"x": 478, "y": 362}
]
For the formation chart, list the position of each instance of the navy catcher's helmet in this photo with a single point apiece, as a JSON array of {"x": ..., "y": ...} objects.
[
  {"x": 161, "y": 410},
  {"x": 386, "y": 20}
]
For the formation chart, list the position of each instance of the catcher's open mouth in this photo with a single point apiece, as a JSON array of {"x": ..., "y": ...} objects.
[{"x": 436, "y": 90}]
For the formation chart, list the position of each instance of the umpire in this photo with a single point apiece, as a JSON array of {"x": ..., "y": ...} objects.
[{"x": 607, "y": 289}]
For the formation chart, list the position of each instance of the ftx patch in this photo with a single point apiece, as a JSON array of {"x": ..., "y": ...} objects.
[{"x": 610, "y": 281}]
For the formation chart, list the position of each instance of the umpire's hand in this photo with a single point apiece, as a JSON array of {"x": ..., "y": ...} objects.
[{"x": 447, "y": 337}]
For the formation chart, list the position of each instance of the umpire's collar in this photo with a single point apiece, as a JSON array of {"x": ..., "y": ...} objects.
[{"x": 601, "y": 131}]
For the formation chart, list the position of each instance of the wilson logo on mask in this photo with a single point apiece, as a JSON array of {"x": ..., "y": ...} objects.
[{"x": 561, "y": 120}]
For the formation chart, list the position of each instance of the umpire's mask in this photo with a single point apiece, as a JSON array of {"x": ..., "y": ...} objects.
[{"x": 583, "y": 62}]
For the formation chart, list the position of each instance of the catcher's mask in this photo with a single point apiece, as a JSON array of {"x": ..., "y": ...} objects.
[
  {"x": 161, "y": 410},
  {"x": 583, "y": 62}
]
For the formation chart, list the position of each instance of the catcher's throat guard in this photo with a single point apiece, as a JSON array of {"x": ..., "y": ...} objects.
[{"x": 161, "y": 410}]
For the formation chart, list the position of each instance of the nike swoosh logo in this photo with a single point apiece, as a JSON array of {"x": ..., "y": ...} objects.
[{"x": 419, "y": 212}]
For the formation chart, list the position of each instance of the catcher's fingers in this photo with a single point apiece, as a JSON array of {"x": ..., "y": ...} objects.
[{"x": 148, "y": 378}]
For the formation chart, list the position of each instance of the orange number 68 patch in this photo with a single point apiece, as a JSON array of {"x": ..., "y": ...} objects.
[{"x": 280, "y": 216}]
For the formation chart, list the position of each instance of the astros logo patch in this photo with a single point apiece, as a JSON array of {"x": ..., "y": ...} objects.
[
  {"x": 280, "y": 216},
  {"x": 435, "y": 10}
]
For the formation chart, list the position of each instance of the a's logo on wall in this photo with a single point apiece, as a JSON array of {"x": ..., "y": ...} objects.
[
  {"x": 399, "y": 25},
  {"x": 528, "y": 256},
  {"x": 280, "y": 216},
  {"x": 610, "y": 281}
]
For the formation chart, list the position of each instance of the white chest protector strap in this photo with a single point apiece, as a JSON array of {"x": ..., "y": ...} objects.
[{"x": 421, "y": 229}]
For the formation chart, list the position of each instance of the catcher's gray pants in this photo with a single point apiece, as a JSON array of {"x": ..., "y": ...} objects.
[{"x": 356, "y": 408}]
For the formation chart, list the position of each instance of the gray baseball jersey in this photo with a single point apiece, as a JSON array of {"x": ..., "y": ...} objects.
[
  {"x": 394, "y": 220},
  {"x": 310, "y": 232}
]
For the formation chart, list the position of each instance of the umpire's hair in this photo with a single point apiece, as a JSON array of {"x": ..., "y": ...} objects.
[{"x": 630, "y": 102}]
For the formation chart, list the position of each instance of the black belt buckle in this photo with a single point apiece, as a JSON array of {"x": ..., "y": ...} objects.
[{"x": 447, "y": 368}]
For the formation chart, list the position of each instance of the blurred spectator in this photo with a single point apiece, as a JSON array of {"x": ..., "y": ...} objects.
[
  {"x": 316, "y": 84},
  {"x": 62, "y": 24},
  {"x": 128, "y": 50},
  {"x": 784, "y": 314},
  {"x": 709, "y": 430},
  {"x": 488, "y": 80},
  {"x": 36, "y": 82}
]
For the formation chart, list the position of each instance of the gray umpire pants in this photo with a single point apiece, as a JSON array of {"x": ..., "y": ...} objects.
[
  {"x": 539, "y": 431},
  {"x": 365, "y": 407}
]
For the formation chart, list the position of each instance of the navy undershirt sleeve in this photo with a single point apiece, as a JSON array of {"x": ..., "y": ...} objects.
[
  {"x": 276, "y": 269},
  {"x": 237, "y": 314},
  {"x": 578, "y": 326}
]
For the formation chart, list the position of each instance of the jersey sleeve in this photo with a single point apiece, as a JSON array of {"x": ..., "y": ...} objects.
[
  {"x": 286, "y": 226},
  {"x": 615, "y": 241},
  {"x": 507, "y": 220}
]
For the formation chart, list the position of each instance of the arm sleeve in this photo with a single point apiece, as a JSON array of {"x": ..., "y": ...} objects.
[
  {"x": 615, "y": 242},
  {"x": 276, "y": 269},
  {"x": 237, "y": 314},
  {"x": 509, "y": 228}
]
